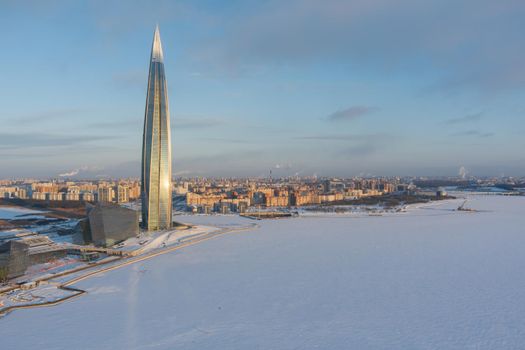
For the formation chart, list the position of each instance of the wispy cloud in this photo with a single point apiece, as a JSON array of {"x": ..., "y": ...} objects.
[
  {"x": 28, "y": 140},
  {"x": 473, "y": 133},
  {"x": 225, "y": 140},
  {"x": 355, "y": 144},
  {"x": 240, "y": 163},
  {"x": 350, "y": 113},
  {"x": 466, "y": 119},
  {"x": 362, "y": 149},
  {"x": 282, "y": 32},
  {"x": 190, "y": 123},
  {"x": 133, "y": 79},
  {"x": 46, "y": 116},
  {"x": 343, "y": 137},
  {"x": 131, "y": 123},
  {"x": 82, "y": 169},
  {"x": 283, "y": 166},
  {"x": 183, "y": 172}
]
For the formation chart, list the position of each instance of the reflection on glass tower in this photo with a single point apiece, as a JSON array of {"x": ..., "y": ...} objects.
[{"x": 156, "y": 146}]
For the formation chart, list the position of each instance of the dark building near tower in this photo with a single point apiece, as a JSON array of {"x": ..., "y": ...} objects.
[
  {"x": 14, "y": 259},
  {"x": 110, "y": 224}
]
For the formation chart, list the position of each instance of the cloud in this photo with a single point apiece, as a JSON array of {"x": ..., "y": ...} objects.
[
  {"x": 355, "y": 144},
  {"x": 45, "y": 116},
  {"x": 283, "y": 166},
  {"x": 71, "y": 173},
  {"x": 362, "y": 149},
  {"x": 481, "y": 49},
  {"x": 466, "y": 119},
  {"x": 462, "y": 172},
  {"x": 183, "y": 172},
  {"x": 83, "y": 170},
  {"x": 225, "y": 140},
  {"x": 133, "y": 79},
  {"x": 350, "y": 113},
  {"x": 473, "y": 133},
  {"x": 343, "y": 137},
  {"x": 115, "y": 17},
  {"x": 193, "y": 123},
  {"x": 119, "y": 125},
  {"x": 235, "y": 163},
  {"x": 29, "y": 140}
]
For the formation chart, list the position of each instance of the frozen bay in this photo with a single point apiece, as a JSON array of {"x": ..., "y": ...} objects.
[{"x": 430, "y": 278}]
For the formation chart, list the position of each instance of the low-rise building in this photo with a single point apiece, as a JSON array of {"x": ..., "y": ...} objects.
[
  {"x": 14, "y": 259},
  {"x": 87, "y": 197},
  {"x": 122, "y": 194},
  {"x": 111, "y": 223},
  {"x": 105, "y": 194},
  {"x": 41, "y": 249}
]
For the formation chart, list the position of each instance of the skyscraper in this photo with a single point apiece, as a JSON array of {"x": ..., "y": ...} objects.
[{"x": 156, "y": 146}]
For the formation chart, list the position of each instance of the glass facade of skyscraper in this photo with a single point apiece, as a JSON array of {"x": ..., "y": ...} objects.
[{"x": 156, "y": 147}]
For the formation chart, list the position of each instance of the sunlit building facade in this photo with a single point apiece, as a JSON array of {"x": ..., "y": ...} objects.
[{"x": 156, "y": 146}]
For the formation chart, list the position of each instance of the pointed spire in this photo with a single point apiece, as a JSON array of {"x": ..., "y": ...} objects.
[{"x": 156, "y": 49}]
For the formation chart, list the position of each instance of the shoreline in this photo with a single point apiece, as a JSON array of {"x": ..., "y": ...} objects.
[{"x": 125, "y": 261}]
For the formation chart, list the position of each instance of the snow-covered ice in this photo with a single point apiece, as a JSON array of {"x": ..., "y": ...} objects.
[
  {"x": 150, "y": 241},
  {"x": 8, "y": 213},
  {"x": 429, "y": 278}
]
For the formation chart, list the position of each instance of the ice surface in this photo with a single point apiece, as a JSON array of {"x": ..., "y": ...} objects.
[
  {"x": 430, "y": 278},
  {"x": 12, "y": 212}
]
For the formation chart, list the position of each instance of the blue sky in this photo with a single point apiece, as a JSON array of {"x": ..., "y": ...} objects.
[{"x": 328, "y": 87}]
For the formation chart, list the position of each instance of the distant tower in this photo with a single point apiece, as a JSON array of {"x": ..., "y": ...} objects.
[{"x": 156, "y": 146}]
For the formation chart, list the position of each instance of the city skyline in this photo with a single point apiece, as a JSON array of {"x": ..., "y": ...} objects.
[
  {"x": 258, "y": 87},
  {"x": 156, "y": 145}
]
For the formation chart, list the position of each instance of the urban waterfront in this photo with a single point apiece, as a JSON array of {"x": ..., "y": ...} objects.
[
  {"x": 321, "y": 175},
  {"x": 431, "y": 277}
]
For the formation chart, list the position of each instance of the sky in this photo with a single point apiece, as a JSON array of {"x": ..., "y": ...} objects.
[{"x": 326, "y": 88}]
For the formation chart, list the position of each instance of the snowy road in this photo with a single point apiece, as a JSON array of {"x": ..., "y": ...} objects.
[{"x": 431, "y": 278}]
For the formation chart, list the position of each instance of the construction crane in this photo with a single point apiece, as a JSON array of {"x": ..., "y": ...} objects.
[{"x": 462, "y": 207}]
